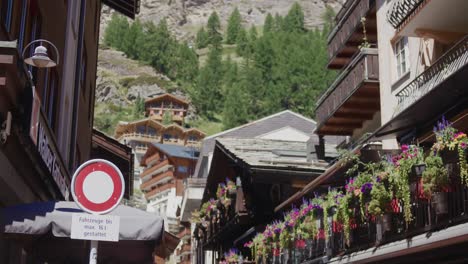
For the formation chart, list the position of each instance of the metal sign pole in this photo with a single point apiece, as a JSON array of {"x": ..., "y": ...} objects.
[{"x": 93, "y": 252}]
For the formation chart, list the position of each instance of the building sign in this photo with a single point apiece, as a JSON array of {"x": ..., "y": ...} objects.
[
  {"x": 95, "y": 227},
  {"x": 42, "y": 137}
]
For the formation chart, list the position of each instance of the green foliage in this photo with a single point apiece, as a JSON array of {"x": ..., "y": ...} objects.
[
  {"x": 201, "y": 40},
  {"x": 294, "y": 21},
  {"x": 115, "y": 32},
  {"x": 167, "y": 118},
  {"x": 233, "y": 27},
  {"x": 214, "y": 30},
  {"x": 269, "y": 24},
  {"x": 435, "y": 176},
  {"x": 139, "y": 107},
  {"x": 206, "y": 94},
  {"x": 242, "y": 43}
]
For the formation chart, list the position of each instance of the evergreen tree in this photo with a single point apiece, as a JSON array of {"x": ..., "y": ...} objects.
[
  {"x": 160, "y": 46},
  {"x": 242, "y": 48},
  {"x": 207, "y": 93},
  {"x": 253, "y": 36},
  {"x": 214, "y": 30},
  {"x": 138, "y": 107},
  {"x": 233, "y": 27},
  {"x": 116, "y": 31},
  {"x": 269, "y": 24},
  {"x": 294, "y": 21},
  {"x": 130, "y": 39},
  {"x": 279, "y": 23},
  {"x": 184, "y": 63},
  {"x": 235, "y": 111},
  {"x": 202, "y": 38}
]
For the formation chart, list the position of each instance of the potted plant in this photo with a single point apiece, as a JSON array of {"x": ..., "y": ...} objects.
[
  {"x": 381, "y": 197},
  {"x": 445, "y": 134},
  {"x": 435, "y": 183},
  {"x": 460, "y": 142},
  {"x": 399, "y": 176}
]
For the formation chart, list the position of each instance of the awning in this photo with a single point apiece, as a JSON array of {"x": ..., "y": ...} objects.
[
  {"x": 127, "y": 7},
  {"x": 45, "y": 225}
]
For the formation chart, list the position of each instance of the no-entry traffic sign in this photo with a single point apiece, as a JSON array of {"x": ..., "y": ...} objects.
[{"x": 97, "y": 186}]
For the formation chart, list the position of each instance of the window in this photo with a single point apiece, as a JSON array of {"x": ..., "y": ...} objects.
[{"x": 401, "y": 55}]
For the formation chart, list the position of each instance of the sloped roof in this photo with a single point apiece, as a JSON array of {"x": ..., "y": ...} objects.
[
  {"x": 166, "y": 95},
  {"x": 270, "y": 153},
  {"x": 177, "y": 151}
]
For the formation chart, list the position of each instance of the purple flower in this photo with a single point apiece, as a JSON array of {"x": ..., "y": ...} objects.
[{"x": 366, "y": 187}]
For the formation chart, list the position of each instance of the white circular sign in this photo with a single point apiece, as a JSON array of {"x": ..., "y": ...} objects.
[{"x": 97, "y": 186}]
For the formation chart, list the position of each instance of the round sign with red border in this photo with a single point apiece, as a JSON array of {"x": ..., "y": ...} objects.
[{"x": 97, "y": 186}]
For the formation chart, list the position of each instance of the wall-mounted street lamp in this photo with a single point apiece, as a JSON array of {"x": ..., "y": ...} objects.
[{"x": 40, "y": 59}]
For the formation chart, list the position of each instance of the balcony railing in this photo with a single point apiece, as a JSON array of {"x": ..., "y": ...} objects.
[
  {"x": 447, "y": 65},
  {"x": 157, "y": 179},
  {"x": 401, "y": 10},
  {"x": 363, "y": 69},
  {"x": 140, "y": 137},
  {"x": 347, "y": 26},
  {"x": 155, "y": 191},
  {"x": 154, "y": 169}
]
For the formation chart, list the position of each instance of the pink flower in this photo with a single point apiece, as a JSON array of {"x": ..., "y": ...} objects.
[{"x": 404, "y": 148}]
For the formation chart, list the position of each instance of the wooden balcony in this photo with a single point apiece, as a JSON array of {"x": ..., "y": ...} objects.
[
  {"x": 155, "y": 191},
  {"x": 353, "y": 98},
  {"x": 159, "y": 178},
  {"x": 444, "y": 21},
  {"x": 347, "y": 35},
  {"x": 139, "y": 137},
  {"x": 154, "y": 169}
]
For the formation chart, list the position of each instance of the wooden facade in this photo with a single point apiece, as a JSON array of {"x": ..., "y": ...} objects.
[{"x": 156, "y": 108}]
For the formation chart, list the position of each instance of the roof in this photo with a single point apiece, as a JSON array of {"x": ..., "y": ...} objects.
[
  {"x": 268, "y": 153},
  {"x": 128, "y": 8},
  {"x": 263, "y": 126},
  {"x": 177, "y": 151},
  {"x": 166, "y": 95}
]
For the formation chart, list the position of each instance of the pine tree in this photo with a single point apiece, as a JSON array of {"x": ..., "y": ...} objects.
[
  {"x": 130, "y": 39},
  {"x": 242, "y": 48},
  {"x": 202, "y": 38},
  {"x": 268, "y": 26},
  {"x": 233, "y": 27},
  {"x": 184, "y": 64},
  {"x": 294, "y": 21},
  {"x": 253, "y": 36},
  {"x": 214, "y": 28},
  {"x": 116, "y": 31},
  {"x": 279, "y": 23},
  {"x": 207, "y": 93}
]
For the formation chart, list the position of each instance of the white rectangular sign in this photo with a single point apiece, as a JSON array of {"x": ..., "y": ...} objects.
[{"x": 95, "y": 227}]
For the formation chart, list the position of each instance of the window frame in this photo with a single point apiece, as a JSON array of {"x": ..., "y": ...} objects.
[{"x": 401, "y": 55}]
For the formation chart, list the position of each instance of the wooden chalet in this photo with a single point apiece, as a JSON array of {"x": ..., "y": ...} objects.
[{"x": 157, "y": 107}]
